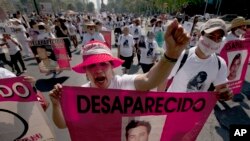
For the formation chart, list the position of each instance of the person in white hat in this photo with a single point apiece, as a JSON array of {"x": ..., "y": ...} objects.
[
  {"x": 98, "y": 64},
  {"x": 91, "y": 34},
  {"x": 237, "y": 30},
  {"x": 22, "y": 37},
  {"x": 199, "y": 69}
]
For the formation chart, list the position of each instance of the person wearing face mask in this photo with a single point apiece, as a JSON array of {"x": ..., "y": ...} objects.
[
  {"x": 237, "y": 30},
  {"x": 149, "y": 52},
  {"x": 202, "y": 58},
  {"x": 43, "y": 32},
  {"x": 91, "y": 34}
]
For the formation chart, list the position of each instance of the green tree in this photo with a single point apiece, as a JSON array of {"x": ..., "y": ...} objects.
[
  {"x": 90, "y": 7},
  {"x": 71, "y": 7},
  {"x": 79, "y": 6}
]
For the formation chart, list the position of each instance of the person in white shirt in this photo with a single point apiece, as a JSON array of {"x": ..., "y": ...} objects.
[
  {"x": 15, "y": 53},
  {"x": 158, "y": 31},
  {"x": 91, "y": 34},
  {"x": 20, "y": 33},
  {"x": 98, "y": 64},
  {"x": 148, "y": 52},
  {"x": 100, "y": 27},
  {"x": 4, "y": 73},
  {"x": 237, "y": 30},
  {"x": 126, "y": 49},
  {"x": 43, "y": 32},
  {"x": 79, "y": 26},
  {"x": 136, "y": 33},
  {"x": 72, "y": 33},
  {"x": 3, "y": 57},
  {"x": 202, "y": 67}
]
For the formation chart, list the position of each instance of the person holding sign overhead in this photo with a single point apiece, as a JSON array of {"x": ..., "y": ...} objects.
[{"x": 98, "y": 64}]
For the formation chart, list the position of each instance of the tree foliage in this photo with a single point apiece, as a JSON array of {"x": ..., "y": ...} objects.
[
  {"x": 150, "y": 6},
  {"x": 90, "y": 7},
  {"x": 71, "y": 7}
]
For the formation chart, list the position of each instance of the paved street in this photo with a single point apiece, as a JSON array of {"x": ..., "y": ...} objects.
[{"x": 235, "y": 112}]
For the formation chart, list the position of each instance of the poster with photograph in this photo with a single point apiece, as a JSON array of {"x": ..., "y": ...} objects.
[
  {"x": 236, "y": 55},
  {"x": 143, "y": 128},
  {"x": 188, "y": 26},
  {"x": 21, "y": 115},
  {"x": 107, "y": 37},
  {"x": 50, "y": 54},
  {"x": 107, "y": 114}
]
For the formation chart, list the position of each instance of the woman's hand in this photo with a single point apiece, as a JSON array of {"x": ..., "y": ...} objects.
[
  {"x": 223, "y": 92},
  {"x": 55, "y": 94},
  {"x": 30, "y": 79}
]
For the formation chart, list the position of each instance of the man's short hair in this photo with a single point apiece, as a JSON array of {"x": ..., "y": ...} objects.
[{"x": 136, "y": 123}]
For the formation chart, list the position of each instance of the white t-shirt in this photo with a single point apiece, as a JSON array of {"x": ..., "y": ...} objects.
[
  {"x": 208, "y": 69},
  {"x": 4, "y": 73},
  {"x": 124, "y": 82},
  {"x": 136, "y": 31},
  {"x": 148, "y": 53},
  {"x": 96, "y": 36},
  {"x": 21, "y": 32},
  {"x": 126, "y": 45},
  {"x": 13, "y": 48},
  {"x": 44, "y": 35},
  {"x": 71, "y": 29}
]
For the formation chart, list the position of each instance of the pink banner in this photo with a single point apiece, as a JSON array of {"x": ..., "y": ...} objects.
[
  {"x": 15, "y": 89},
  {"x": 113, "y": 115},
  {"x": 107, "y": 37},
  {"x": 236, "y": 55},
  {"x": 51, "y": 54},
  {"x": 59, "y": 49},
  {"x": 21, "y": 115}
]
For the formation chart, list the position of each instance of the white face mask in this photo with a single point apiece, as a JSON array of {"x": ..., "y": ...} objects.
[
  {"x": 208, "y": 46},
  {"x": 239, "y": 32}
]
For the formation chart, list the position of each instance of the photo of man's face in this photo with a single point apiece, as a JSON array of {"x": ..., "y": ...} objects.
[
  {"x": 138, "y": 133},
  {"x": 42, "y": 53}
]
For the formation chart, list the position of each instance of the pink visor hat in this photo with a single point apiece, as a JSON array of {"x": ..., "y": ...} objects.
[{"x": 95, "y": 52}]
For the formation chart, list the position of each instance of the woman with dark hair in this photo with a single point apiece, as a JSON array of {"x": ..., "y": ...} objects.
[
  {"x": 62, "y": 32},
  {"x": 196, "y": 83},
  {"x": 234, "y": 67}
]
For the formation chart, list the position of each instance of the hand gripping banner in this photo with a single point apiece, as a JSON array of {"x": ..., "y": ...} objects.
[{"x": 21, "y": 116}]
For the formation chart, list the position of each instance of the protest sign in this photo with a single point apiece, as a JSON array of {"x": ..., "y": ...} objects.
[
  {"x": 106, "y": 114},
  {"x": 50, "y": 54},
  {"x": 188, "y": 26},
  {"x": 21, "y": 115},
  {"x": 236, "y": 55},
  {"x": 107, "y": 37}
]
